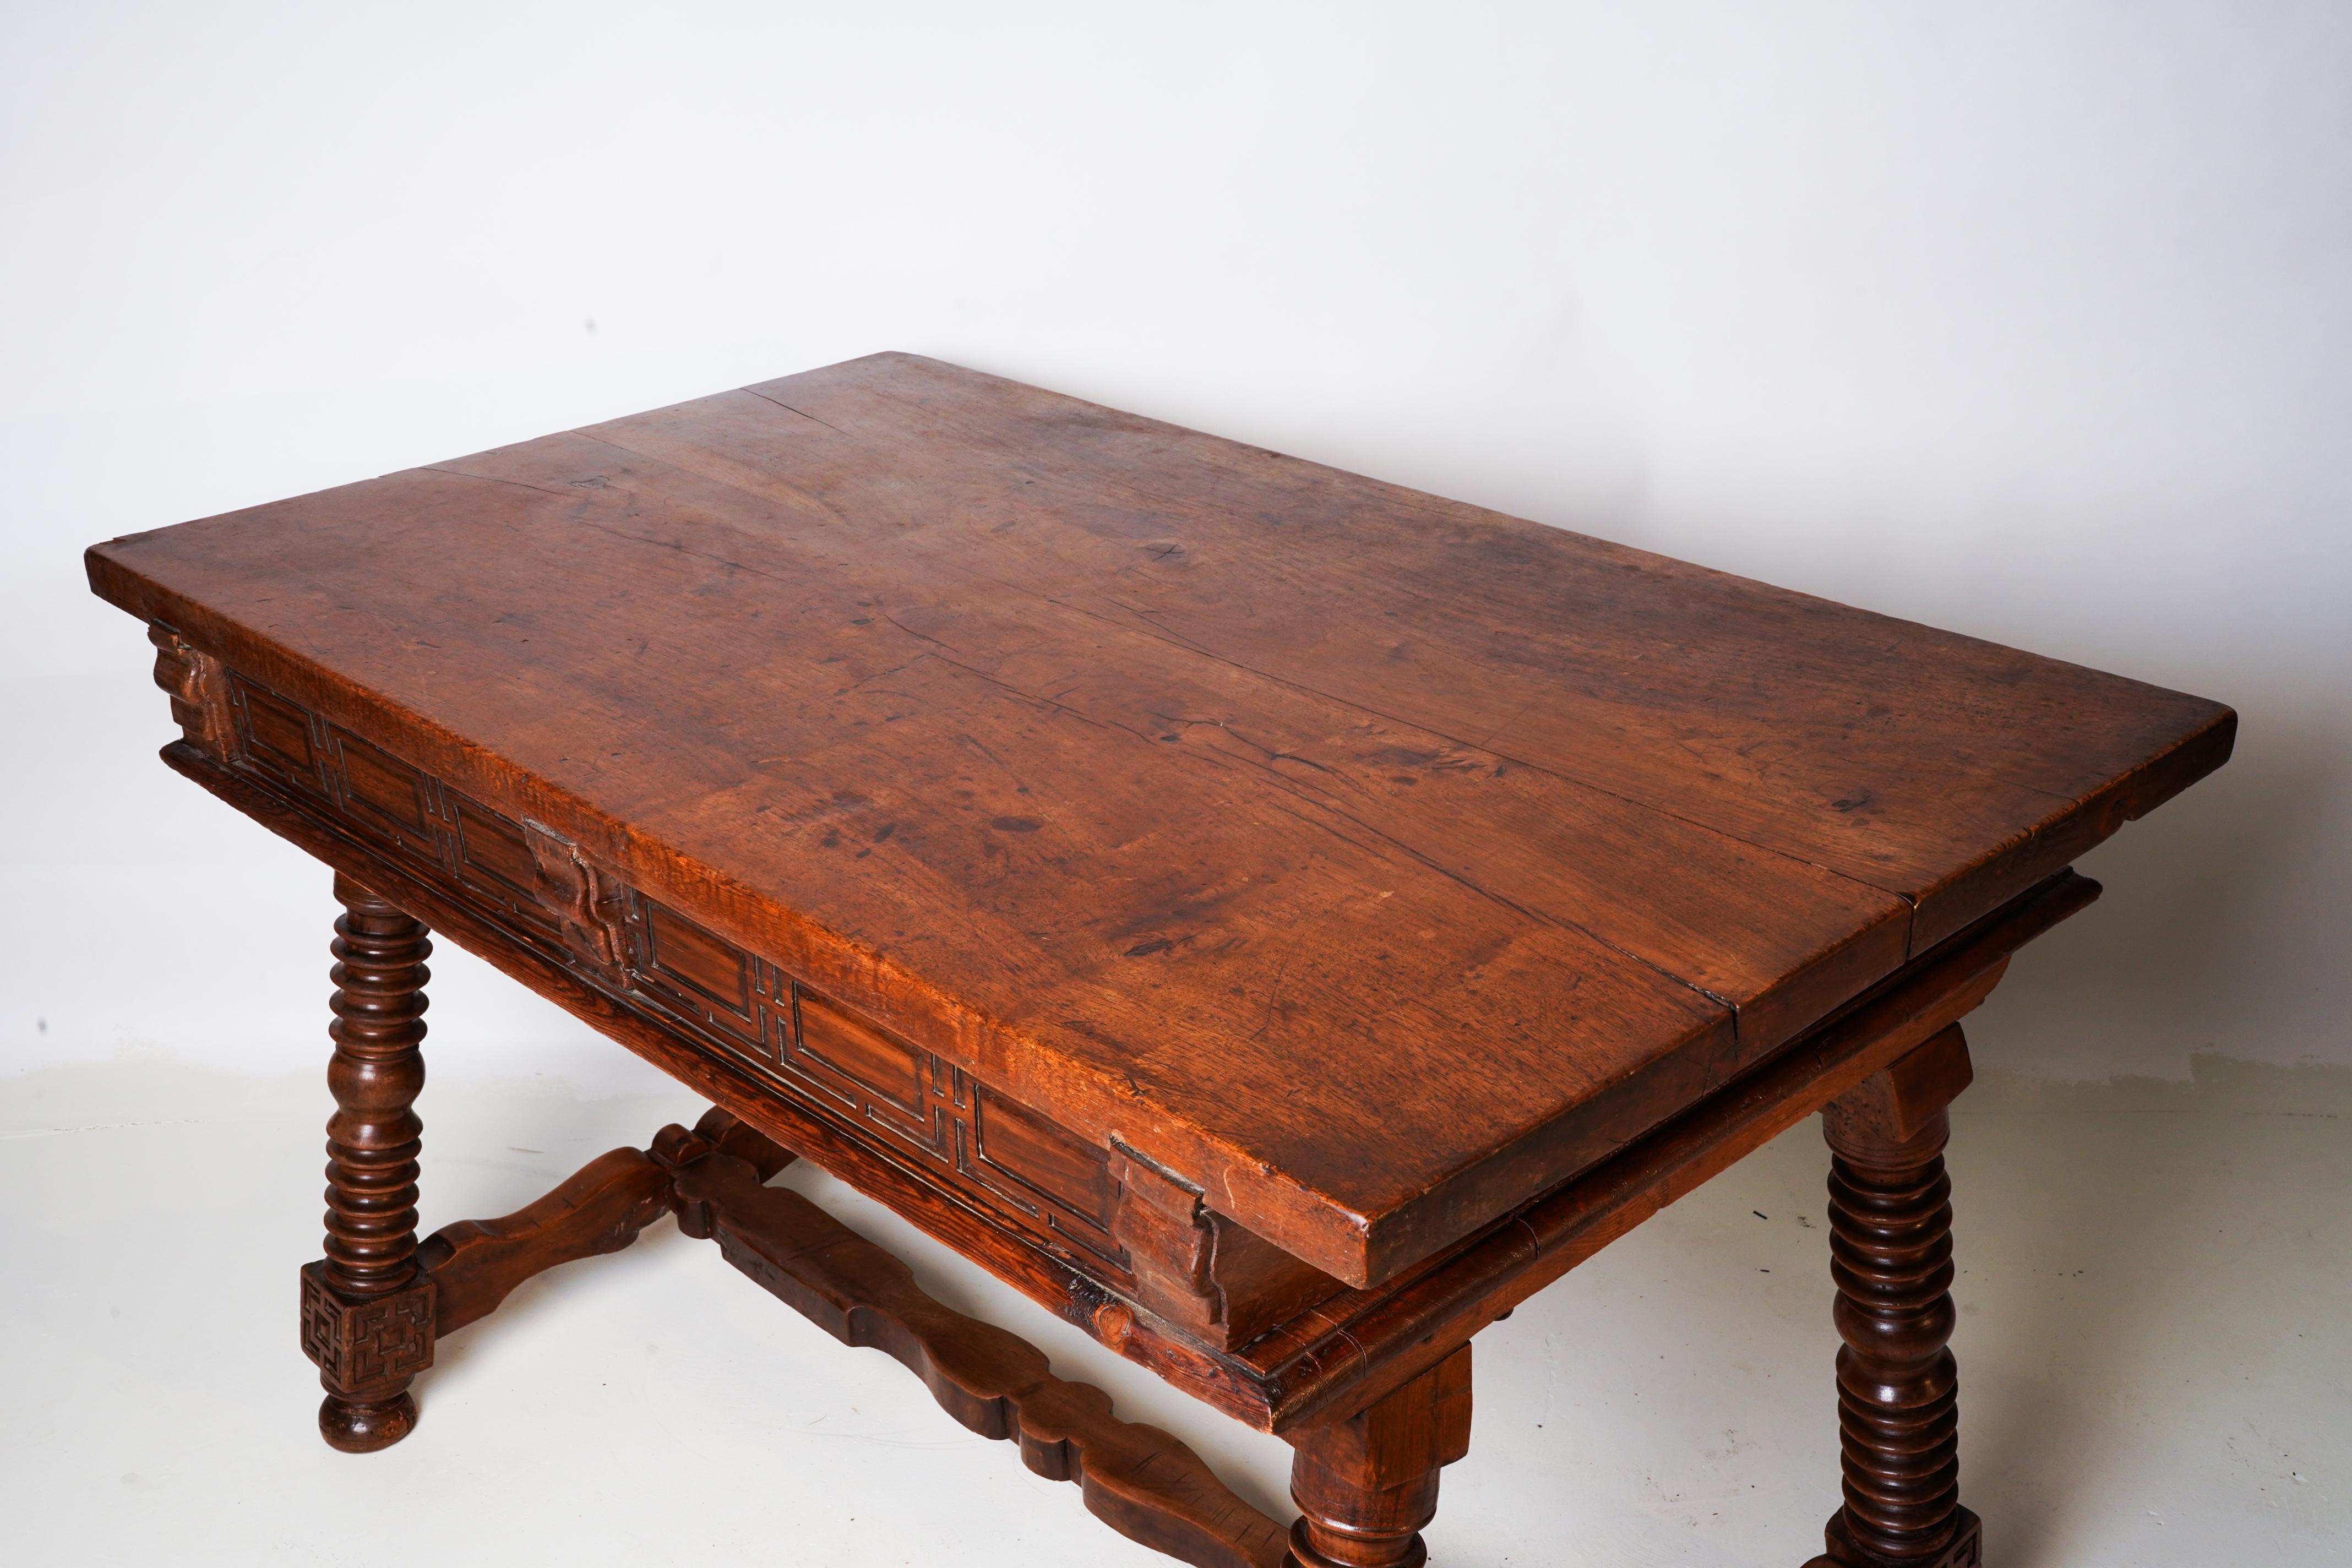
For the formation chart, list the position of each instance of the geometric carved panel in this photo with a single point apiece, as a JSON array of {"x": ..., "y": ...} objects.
[
  {"x": 358, "y": 1344},
  {"x": 1011, "y": 1144},
  {"x": 708, "y": 978},
  {"x": 883, "y": 1077},
  {"x": 492, "y": 861},
  {"x": 899, "y": 1095},
  {"x": 275, "y": 737},
  {"x": 393, "y": 802}
]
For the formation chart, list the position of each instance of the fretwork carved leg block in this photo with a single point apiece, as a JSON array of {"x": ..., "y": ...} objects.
[
  {"x": 1891, "y": 1251},
  {"x": 1366, "y": 1486},
  {"x": 367, "y": 1309},
  {"x": 361, "y": 1344}
]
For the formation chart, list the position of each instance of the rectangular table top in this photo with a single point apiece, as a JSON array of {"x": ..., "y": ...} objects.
[{"x": 1364, "y": 858}]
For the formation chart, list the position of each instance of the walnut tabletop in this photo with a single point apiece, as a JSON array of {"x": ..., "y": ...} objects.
[
  {"x": 1277, "y": 921},
  {"x": 1365, "y": 861}
]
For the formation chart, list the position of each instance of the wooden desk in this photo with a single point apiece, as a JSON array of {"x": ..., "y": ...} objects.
[{"x": 1276, "y": 920}]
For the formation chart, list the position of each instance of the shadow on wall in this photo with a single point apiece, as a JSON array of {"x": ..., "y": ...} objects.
[{"x": 2216, "y": 908}]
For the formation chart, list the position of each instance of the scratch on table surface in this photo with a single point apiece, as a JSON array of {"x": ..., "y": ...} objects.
[{"x": 803, "y": 413}]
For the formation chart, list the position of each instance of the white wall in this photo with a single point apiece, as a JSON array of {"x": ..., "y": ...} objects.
[{"x": 2028, "y": 319}]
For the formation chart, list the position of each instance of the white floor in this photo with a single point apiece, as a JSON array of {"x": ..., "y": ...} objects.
[{"x": 2156, "y": 1341}]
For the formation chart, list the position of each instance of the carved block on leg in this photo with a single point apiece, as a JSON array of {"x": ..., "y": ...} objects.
[
  {"x": 366, "y": 1345},
  {"x": 1366, "y": 1486},
  {"x": 1891, "y": 1255}
]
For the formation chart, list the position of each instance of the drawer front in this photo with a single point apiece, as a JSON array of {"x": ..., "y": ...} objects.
[{"x": 896, "y": 1100}]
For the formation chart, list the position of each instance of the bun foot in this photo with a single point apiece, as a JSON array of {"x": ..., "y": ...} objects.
[
  {"x": 1308, "y": 1543},
  {"x": 357, "y": 1428}
]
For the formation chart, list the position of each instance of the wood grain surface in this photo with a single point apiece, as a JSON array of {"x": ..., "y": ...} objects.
[{"x": 1357, "y": 855}]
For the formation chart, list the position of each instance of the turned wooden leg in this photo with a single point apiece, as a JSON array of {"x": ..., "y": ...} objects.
[
  {"x": 367, "y": 1309},
  {"x": 1365, "y": 1486},
  {"x": 1891, "y": 1254}
]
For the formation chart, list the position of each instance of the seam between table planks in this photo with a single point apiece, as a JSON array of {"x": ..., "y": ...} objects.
[{"x": 1167, "y": 639}]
